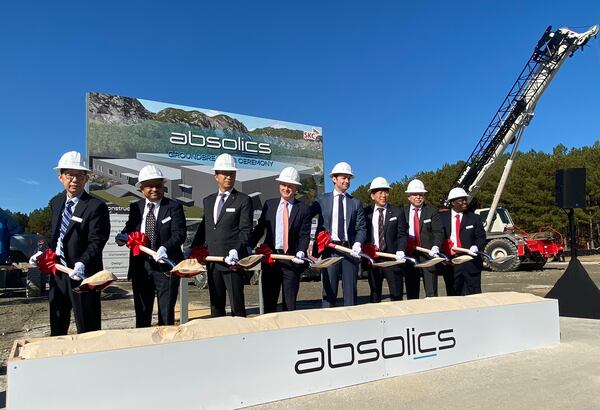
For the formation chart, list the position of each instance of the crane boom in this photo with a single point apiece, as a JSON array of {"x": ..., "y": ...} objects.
[{"x": 517, "y": 108}]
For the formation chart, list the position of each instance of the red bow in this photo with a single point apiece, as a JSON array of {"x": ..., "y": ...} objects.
[
  {"x": 323, "y": 240},
  {"x": 135, "y": 239},
  {"x": 265, "y": 250},
  {"x": 200, "y": 253},
  {"x": 370, "y": 250},
  {"x": 46, "y": 262},
  {"x": 447, "y": 247}
]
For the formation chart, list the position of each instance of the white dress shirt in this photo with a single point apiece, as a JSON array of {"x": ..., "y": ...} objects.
[
  {"x": 375, "y": 223},
  {"x": 146, "y": 210},
  {"x": 453, "y": 225},
  {"x": 216, "y": 207},
  {"x": 411, "y": 220},
  {"x": 279, "y": 223},
  {"x": 334, "y": 215}
]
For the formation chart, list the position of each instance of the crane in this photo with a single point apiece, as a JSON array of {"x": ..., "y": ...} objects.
[{"x": 506, "y": 128}]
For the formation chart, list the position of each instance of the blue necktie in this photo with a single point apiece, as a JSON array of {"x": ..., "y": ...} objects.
[{"x": 64, "y": 224}]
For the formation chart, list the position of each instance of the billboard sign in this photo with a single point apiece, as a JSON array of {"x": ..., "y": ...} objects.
[{"x": 125, "y": 134}]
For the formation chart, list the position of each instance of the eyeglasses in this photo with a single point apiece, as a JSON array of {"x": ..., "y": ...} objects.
[
  {"x": 70, "y": 176},
  {"x": 157, "y": 185}
]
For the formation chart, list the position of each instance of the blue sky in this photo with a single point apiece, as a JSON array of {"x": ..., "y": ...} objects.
[{"x": 398, "y": 87}]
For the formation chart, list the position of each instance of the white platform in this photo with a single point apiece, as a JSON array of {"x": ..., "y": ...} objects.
[{"x": 236, "y": 362}]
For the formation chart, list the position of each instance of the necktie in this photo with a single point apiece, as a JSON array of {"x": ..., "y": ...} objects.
[
  {"x": 380, "y": 229},
  {"x": 64, "y": 224},
  {"x": 457, "y": 229},
  {"x": 341, "y": 232},
  {"x": 286, "y": 222},
  {"x": 220, "y": 206},
  {"x": 417, "y": 227},
  {"x": 151, "y": 225}
]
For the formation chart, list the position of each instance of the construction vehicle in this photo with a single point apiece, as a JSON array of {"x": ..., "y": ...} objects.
[{"x": 505, "y": 129}]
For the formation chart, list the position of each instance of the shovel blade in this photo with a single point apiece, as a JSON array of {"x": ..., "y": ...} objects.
[
  {"x": 461, "y": 259},
  {"x": 325, "y": 263},
  {"x": 503, "y": 259},
  {"x": 430, "y": 262},
  {"x": 188, "y": 268},
  {"x": 249, "y": 261},
  {"x": 387, "y": 264}
]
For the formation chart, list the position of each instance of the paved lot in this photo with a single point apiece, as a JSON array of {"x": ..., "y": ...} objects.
[{"x": 571, "y": 367}]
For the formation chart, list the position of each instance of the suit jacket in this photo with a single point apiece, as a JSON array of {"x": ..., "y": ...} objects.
[
  {"x": 86, "y": 234},
  {"x": 298, "y": 230},
  {"x": 169, "y": 232},
  {"x": 355, "y": 217},
  {"x": 471, "y": 233},
  {"x": 232, "y": 230},
  {"x": 430, "y": 226},
  {"x": 394, "y": 225}
]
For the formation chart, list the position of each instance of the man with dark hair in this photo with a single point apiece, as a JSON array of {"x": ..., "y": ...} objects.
[
  {"x": 225, "y": 230},
  {"x": 80, "y": 228},
  {"x": 162, "y": 220}
]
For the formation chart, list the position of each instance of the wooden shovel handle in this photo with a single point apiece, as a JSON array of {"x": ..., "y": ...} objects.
[
  {"x": 463, "y": 250},
  {"x": 63, "y": 269},
  {"x": 277, "y": 256},
  {"x": 342, "y": 248},
  {"x": 215, "y": 259},
  {"x": 421, "y": 249},
  {"x": 148, "y": 251},
  {"x": 386, "y": 255}
]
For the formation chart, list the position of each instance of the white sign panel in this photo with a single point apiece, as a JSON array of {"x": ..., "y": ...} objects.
[{"x": 252, "y": 368}]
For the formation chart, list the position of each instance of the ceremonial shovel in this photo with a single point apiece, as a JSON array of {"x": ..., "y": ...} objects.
[
  {"x": 319, "y": 264},
  {"x": 501, "y": 259},
  {"x": 97, "y": 281},
  {"x": 186, "y": 268},
  {"x": 372, "y": 251},
  {"x": 441, "y": 258}
]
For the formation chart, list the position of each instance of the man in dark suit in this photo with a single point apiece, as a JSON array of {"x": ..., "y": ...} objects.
[
  {"x": 425, "y": 230},
  {"x": 287, "y": 225},
  {"x": 465, "y": 230},
  {"x": 225, "y": 230},
  {"x": 163, "y": 222},
  {"x": 80, "y": 229},
  {"x": 344, "y": 217},
  {"x": 387, "y": 229}
]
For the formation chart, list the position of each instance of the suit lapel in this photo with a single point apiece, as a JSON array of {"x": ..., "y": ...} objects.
[
  {"x": 162, "y": 211},
  {"x": 293, "y": 214},
  {"x": 349, "y": 211}
]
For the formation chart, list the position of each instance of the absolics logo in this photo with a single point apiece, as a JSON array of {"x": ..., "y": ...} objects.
[
  {"x": 420, "y": 345},
  {"x": 229, "y": 144}
]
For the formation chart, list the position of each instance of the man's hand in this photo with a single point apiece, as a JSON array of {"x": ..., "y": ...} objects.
[
  {"x": 473, "y": 250},
  {"x": 78, "y": 272},
  {"x": 298, "y": 258},
  {"x": 33, "y": 259},
  {"x": 161, "y": 254},
  {"x": 400, "y": 256},
  {"x": 434, "y": 251},
  {"x": 356, "y": 250},
  {"x": 232, "y": 258}
]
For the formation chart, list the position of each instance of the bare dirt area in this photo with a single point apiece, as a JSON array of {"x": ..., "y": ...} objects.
[{"x": 22, "y": 317}]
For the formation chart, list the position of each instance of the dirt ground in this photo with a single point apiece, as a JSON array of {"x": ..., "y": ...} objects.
[{"x": 22, "y": 317}]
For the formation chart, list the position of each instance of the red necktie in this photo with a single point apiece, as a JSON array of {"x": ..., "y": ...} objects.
[
  {"x": 417, "y": 227},
  {"x": 457, "y": 229}
]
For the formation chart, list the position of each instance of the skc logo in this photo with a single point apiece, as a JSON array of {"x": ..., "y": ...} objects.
[{"x": 312, "y": 135}]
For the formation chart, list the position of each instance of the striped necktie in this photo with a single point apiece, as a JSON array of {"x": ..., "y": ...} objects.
[{"x": 64, "y": 224}]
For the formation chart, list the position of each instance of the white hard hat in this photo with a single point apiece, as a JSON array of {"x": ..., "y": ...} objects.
[
  {"x": 289, "y": 175},
  {"x": 341, "y": 168},
  {"x": 457, "y": 193},
  {"x": 71, "y": 160},
  {"x": 379, "y": 183},
  {"x": 149, "y": 172},
  {"x": 225, "y": 162},
  {"x": 415, "y": 187}
]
